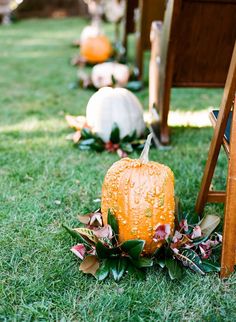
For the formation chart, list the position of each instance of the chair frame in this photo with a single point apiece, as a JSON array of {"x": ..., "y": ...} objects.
[
  {"x": 190, "y": 69},
  {"x": 228, "y": 257}
]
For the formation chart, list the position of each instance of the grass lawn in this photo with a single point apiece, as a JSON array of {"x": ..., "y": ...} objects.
[{"x": 45, "y": 182}]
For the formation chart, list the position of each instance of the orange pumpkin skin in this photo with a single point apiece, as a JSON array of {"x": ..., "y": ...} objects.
[
  {"x": 141, "y": 196},
  {"x": 96, "y": 49}
]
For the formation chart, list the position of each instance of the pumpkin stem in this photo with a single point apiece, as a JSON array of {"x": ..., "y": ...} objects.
[{"x": 145, "y": 152}]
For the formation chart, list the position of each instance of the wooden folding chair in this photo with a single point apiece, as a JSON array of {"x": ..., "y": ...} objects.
[
  {"x": 195, "y": 46},
  {"x": 146, "y": 12},
  {"x": 224, "y": 122}
]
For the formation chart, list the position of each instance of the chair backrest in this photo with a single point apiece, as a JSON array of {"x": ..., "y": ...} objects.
[
  {"x": 198, "y": 39},
  {"x": 150, "y": 10}
]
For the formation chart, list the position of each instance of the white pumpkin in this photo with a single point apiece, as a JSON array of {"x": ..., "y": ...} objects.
[
  {"x": 90, "y": 31},
  {"x": 114, "y": 105},
  {"x": 114, "y": 10},
  {"x": 102, "y": 74}
]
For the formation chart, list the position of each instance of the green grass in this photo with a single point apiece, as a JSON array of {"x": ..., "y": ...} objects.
[{"x": 39, "y": 277}]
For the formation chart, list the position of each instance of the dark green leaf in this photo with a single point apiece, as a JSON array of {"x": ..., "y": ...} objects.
[
  {"x": 209, "y": 266},
  {"x": 190, "y": 259},
  {"x": 111, "y": 220},
  {"x": 118, "y": 267},
  {"x": 138, "y": 273},
  {"x": 103, "y": 270},
  {"x": 127, "y": 147},
  {"x": 130, "y": 137},
  {"x": 115, "y": 134},
  {"x": 86, "y": 134},
  {"x": 174, "y": 269},
  {"x": 133, "y": 247},
  {"x": 96, "y": 146},
  {"x": 142, "y": 262},
  {"x": 87, "y": 142},
  {"x": 134, "y": 86},
  {"x": 161, "y": 262},
  {"x": 105, "y": 252}
]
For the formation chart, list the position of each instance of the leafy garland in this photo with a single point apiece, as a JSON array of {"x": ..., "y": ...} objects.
[
  {"x": 194, "y": 244},
  {"x": 85, "y": 139}
]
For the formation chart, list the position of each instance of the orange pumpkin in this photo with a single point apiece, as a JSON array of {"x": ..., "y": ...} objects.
[
  {"x": 96, "y": 49},
  {"x": 140, "y": 194}
]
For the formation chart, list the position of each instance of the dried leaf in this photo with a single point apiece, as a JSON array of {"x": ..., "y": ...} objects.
[
  {"x": 208, "y": 224},
  {"x": 90, "y": 265},
  {"x": 79, "y": 250}
]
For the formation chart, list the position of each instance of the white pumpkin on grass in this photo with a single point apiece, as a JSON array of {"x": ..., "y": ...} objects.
[
  {"x": 109, "y": 106},
  {"x": 102, "y": 74},
  {"x": 90, "y": 31}
]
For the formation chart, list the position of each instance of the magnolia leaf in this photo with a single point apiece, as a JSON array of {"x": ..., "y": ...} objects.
[
  {"x": 84, "y": 219},
  {"x": 190, "y": 259},
  {"x": 209, "y": 266},
  {"x": 161, "y": 262},
  {"x": 86, "y": 133},
  {"x": 89, "y": 265},
  {"x": 134, "y": 86},
  {"x": 129, "y": 137},
  {"x": 87, "y": 142},
  {"x": 208, "y": 224},
  {"x": 133, "y": 247},
  {"x": 87, "y": 234},
  {"x": 118, "y": 267},
  {"x": 138, "y": 273},
  {"x": 103, "y": 270},
  {"x": 115, "y": 134},
  {"x": 111, "y": 220},
  {"x": 126, "y": 147},
  {"x": 174, "y": 269},
  {"x": 105, "y": 252},
  {"x": 142, "y": 262}
]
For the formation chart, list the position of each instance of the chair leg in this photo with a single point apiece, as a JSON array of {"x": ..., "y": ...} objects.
[
  {"x": 163, "y": 108},
  {"x": 229, "y": 235}
]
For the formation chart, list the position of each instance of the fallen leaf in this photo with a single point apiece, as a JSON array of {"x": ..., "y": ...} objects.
[{"x": 89, "y": 265}]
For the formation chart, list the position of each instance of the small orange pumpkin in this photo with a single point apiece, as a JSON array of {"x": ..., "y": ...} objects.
[
  {"x": 96, "y": 49},
  {"x": 140, "y": 194}
]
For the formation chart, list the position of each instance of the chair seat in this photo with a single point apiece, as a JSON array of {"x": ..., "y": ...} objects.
[{"x": 228, "y": 127}]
